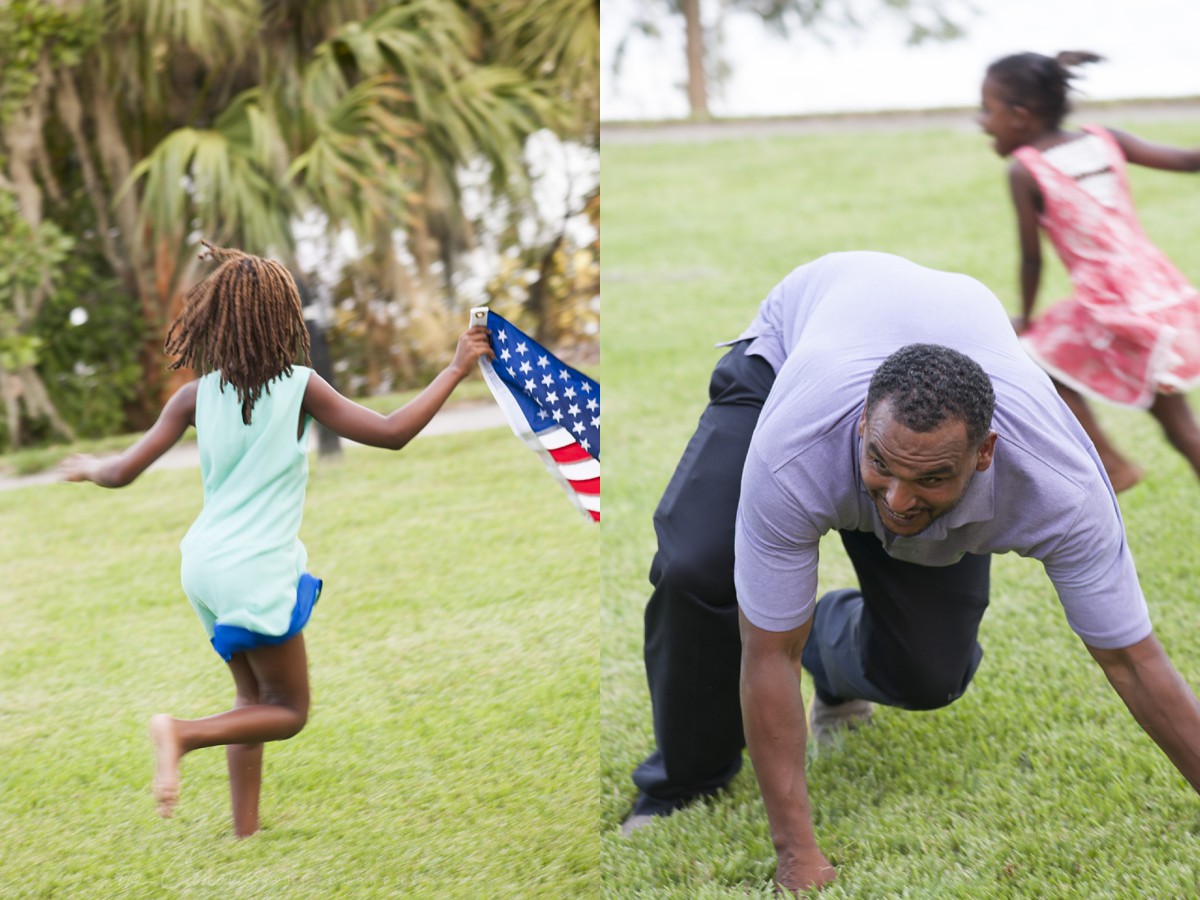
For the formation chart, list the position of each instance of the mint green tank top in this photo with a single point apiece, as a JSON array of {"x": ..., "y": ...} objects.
[{"x": 242, "y": 557}]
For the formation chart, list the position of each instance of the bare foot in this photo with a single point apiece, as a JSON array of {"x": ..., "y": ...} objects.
[{"x": 166, "y": 763}]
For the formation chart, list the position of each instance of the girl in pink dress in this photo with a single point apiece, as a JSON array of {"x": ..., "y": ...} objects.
[{"x": 1130, "y": 332}]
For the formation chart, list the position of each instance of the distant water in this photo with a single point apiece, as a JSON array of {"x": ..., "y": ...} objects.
[{"x": 1151, "y": 47}]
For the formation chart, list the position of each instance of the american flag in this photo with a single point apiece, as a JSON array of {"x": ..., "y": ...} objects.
[{"x": 553, "y": 408}]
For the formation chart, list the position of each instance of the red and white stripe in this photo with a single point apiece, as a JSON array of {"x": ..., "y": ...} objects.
[
  {"x": 567, "y": 462},
  {"x": 580, "y": 472}
]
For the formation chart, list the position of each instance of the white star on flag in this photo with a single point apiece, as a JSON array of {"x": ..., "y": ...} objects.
[{"x": 569, "y": 447}]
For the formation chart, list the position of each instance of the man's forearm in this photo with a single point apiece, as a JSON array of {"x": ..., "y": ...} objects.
[
  {"x": 1159, "y": 699},
  {"x": 773, "y": 718}
]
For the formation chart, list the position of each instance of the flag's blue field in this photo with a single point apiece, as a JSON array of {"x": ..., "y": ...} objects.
[{"x": 552, "y": 407}]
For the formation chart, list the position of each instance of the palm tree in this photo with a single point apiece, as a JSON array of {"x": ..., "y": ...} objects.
[
  {"x": 370, "y": 126},
  {"x": 33, "y": 39},
  {"x": 557, "y": 40},
  {"x": 232, "y": 118}
]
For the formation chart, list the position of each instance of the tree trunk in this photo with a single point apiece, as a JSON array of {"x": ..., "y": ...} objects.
[
  {"x": 134, "y": 236},
  {"x": 546, "y": 327},
  {"x": 37, "y": 401},
  {"x": 697, "y": 86},
  {"x": 428, "y": 322},
  {"x": 329, "y": 445},
  {"x": 70, "y": 113},
  {"x": 10, "y": 397},
  {"x": 21, "y": 385}
]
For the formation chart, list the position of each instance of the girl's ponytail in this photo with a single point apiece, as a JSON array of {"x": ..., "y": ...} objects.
[{"x": 1040, "y": 83}]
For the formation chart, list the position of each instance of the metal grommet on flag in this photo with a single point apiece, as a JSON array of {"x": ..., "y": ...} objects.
[{"x": 552, "y": 407}]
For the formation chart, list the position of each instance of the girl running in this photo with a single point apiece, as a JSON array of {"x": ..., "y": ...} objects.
[
  {"x": 1130, "y": 332},
  {"x": 242, "y": 330}
]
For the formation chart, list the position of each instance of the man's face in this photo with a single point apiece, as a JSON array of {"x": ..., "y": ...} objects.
[{"x": 915, "y": 477}]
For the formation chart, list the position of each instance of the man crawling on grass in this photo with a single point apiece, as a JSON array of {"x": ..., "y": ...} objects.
[{"x": 893, "y": 404}]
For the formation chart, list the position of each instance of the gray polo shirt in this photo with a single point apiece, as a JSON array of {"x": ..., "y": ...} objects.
[{"x": 825, "y": 329}]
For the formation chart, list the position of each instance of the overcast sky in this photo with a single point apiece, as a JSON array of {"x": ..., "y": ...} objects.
[{"x": 1151, "y": 46}]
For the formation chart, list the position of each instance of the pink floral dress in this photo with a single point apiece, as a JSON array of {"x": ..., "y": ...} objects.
[{"x": 1131, "y": 328}]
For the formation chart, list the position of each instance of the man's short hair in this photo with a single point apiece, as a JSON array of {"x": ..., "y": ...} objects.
[{"x": 925, "y": 384}]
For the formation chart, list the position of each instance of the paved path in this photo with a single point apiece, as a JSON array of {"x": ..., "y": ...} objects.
[
  {"x": 450, "y": 420},
  {"x": 613, "y": 133}
]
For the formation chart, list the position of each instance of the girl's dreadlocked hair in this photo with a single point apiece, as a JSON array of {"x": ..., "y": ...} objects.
[{"x": 244, "y": 320}]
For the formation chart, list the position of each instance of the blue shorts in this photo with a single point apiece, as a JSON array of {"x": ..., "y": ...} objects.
[{"x": 230, "y": 639}]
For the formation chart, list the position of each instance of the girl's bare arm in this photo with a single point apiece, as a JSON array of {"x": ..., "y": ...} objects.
[
  {"x": 357, "y": 423},
  {"x": 1156, "y": 156},
  {"x": 120, "y": 470},
  {"x": 1027, "y": 200}
]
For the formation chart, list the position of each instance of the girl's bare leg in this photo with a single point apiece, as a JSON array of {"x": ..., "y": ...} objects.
[
  {"x": 1121, "y": 472},
  {"x": 1175, "y": 417},
  {"x": 244, "y": 760},
  {"x": 280, "y": 674}
]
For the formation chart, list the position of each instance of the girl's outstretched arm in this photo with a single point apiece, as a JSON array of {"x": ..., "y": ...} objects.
[
  {"x": 118, "y": 471},
  {"x": 1027, "y": 199},
  {"x": 365, "y": 426},
  {"x": 1156, "y": 156}
]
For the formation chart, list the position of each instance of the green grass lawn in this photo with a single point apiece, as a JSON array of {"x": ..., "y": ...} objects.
[
  {"x": 1037, "y": 783},
  {"x": 452, "y": 747}
]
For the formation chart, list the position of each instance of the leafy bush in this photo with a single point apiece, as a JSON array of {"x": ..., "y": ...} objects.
[{"x": 90, "y": 369}]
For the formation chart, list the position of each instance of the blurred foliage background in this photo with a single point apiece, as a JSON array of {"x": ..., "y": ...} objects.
[{"x": 405, "y": 160}]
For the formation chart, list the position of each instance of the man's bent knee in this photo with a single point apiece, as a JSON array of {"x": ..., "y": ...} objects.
[
  {"x": 932, "y": 699},
  {"x": 932, "y": 690},
  {"x": 693, "y": 577}
]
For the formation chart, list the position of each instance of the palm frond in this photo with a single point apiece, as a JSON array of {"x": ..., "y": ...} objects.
[
  {"x": 358, "y": 166},
  {"x": 217, "y": 31},
  {"x": 217, "y": 179},
  {"x": 548, "y": 37},
  {"x": 490, "y": 112}
]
